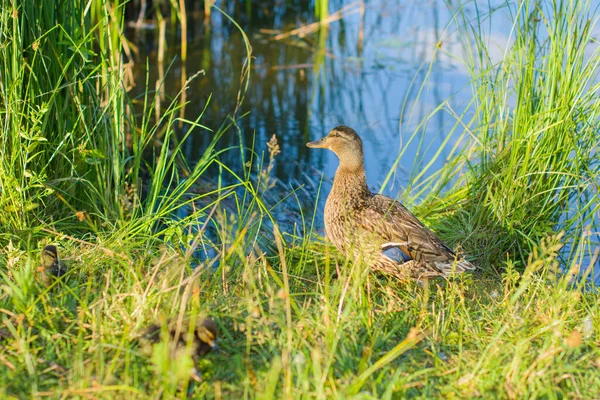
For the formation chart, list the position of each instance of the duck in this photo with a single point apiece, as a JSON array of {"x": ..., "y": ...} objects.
[
  {"x": 203, "y": 340},
  {"x": 52, "y": 267},
  {"x": 370, "y": 227}
]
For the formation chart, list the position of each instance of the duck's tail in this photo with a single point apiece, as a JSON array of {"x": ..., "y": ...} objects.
[
  {"x": 464, "y": 265},
  {"x": 455, "y": 267}
]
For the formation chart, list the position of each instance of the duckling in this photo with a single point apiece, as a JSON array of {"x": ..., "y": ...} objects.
[
  {"x": 4, "y": 335},
  {"x": 52, "y": 266},
  {"x": 204, "y": 337},
  {"x": 367, "y": 226}
]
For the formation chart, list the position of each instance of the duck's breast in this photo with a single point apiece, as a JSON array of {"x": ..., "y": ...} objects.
[{"x": 335, "y": 222}]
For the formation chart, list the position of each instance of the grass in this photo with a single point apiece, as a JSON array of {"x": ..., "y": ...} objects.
[{"x": 72, "y": 173}]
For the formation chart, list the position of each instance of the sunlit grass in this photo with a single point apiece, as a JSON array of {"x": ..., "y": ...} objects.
[{"x": 296, "y": 319}]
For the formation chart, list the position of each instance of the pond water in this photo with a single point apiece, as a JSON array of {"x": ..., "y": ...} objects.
[{"x": 382, "y": 68}]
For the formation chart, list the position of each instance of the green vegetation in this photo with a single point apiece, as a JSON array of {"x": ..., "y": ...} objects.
[{"x": 72, "y": 157}]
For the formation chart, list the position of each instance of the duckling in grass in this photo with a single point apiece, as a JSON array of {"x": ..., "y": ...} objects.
[
  {"x": 4, "y": 335},
  {"x": 52, "y": 267},
  {"x": 202, "y": 341},
  {"x": 368, "y": 226}
]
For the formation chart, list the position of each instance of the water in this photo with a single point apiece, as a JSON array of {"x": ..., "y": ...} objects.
[
  {"x": 298, "y": 93},
  {"x": 382, "y": 71}
]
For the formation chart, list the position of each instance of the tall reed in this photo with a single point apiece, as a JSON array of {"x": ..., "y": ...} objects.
[{"x": 53, "y": 125}]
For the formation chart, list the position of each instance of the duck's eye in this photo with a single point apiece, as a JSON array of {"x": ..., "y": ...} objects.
[{"x": 336, "y": 134}]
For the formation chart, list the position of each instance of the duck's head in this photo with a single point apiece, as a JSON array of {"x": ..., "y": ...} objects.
[
  {"x": 346, "y": 144},
  {"x": 207, "y": 332},
  {"x": 49, "y": 255}
]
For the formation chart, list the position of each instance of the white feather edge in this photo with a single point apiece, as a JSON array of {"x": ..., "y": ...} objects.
[{"x": 393, "y": 244}]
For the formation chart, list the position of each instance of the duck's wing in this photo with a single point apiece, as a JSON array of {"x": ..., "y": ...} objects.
[{"x": 398, "y": 227}]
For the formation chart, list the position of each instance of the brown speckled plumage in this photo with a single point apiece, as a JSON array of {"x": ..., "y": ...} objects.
[{"x": 362, "y": 224}]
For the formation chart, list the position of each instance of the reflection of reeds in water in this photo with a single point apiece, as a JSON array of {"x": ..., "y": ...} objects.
[
  {"x": 343, "y": 81},
  {"x": 220, "y": 63},
  {"x": 182, "y": 14},
  {"x": 309, "y": 29},
  {"x": 159, "y": 87},
  {"x": 361, "y": 30},
  {"x": 207, "y": 9}
]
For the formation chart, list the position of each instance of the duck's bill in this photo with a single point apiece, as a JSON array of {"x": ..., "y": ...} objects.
[{"x": 318, "y": 144}]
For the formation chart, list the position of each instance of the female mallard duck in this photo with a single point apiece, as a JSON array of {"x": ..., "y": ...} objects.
[{"x": 367, "y": 225}]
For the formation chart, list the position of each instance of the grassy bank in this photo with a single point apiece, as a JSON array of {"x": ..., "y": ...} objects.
[{"x": 79, "y": 169}]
